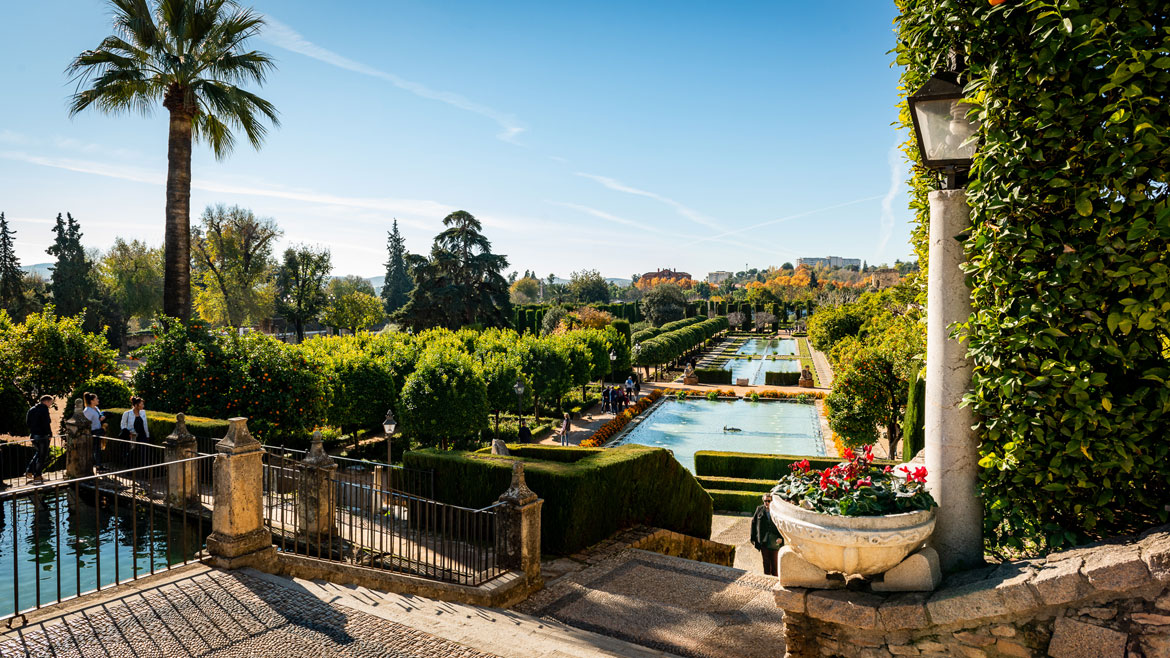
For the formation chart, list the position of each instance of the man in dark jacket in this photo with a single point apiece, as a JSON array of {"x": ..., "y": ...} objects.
[
  {"x": 765, "y": 536},
  {"x": 41, "y": 431},
  {"x": 523, "y": 435}
]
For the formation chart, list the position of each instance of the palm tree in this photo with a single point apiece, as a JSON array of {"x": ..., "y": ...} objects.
[{"x": 189, "y": 54}]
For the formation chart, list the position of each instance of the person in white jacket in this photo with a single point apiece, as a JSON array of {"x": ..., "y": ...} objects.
[{"x": 134, "y": 421}]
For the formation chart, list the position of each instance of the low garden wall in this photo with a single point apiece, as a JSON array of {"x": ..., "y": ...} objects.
[
  {"x": 1110, "y": 600},
  {"x": 589, "y": 493}
]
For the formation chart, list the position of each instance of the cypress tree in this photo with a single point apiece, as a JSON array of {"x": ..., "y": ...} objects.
[
  {"x": 397, "y": 285},
  {"x": 11, "y": 276},
  {"x": 71, "y": 285}
]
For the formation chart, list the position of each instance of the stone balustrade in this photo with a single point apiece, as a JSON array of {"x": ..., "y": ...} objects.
[{"x": 1109, "y": 600}]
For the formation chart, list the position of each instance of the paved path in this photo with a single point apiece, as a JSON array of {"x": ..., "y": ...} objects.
[
  {"x": 821, "y": 362},
  {"x": 684, "y": 607},
  {"x": 199, "y": 611}
]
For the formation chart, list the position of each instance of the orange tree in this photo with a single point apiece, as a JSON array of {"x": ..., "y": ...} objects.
[{"x": 50, "y": 355}]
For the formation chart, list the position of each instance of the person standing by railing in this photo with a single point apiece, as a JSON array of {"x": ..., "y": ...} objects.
[
  {"x": 41, "y": 431},
  {"x": 134, "y": 426},
  {"x": 94, "y": 414},
  {"x": 566, "y": 427}
]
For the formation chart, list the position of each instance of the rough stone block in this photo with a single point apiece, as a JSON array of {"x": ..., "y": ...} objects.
[
  {"x": 1151, "y": 619},
  {"x": 904, "y": 612},
  {"x": 1013, "y": 649},
  {"x": 974, "y": 639},
  {"x": 1076, "y": 639},
  {"x": 903, "y": 650},
  {"x": 970, "y": 652},
  {"x": 790, "y": 600},
  {"x": 931, "y": 646},
  {"x": 970, "y": 602},
  {"x": 1156, "y": 554},
  {"x": 1003, "y": 630},
  {"x": 1098, "y": 613},
  {"x": 854, "y": 609},
  {"x": 1156, "y": 645},
  {"x": 919, "y": 572},
  {"x": 1116, "y": 569},
  {"x": 1012, "y": 584},
  {"x": 1060, "y": 582},
  {"x": 795, "y": 571}
]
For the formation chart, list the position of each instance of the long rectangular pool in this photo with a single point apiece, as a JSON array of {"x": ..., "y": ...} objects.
[
  {"x": 768, "y": 346},
  {"x": 755, "y": 370},
  {"x": 687, "y": 426}
]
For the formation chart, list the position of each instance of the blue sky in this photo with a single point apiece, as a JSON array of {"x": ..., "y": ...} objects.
[{"x": 623, "y": 136}]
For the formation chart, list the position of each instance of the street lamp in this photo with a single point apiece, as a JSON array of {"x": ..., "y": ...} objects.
[
  {"x": 947, "y": 143},
  {"x": 519, "y": 388},
  {"x": 946, "y": 135},
  {"x": 389, "y": 426}
]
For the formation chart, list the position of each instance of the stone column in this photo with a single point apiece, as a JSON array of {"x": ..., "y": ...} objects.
[
  {"x": 182, "y": 479},
  {"x": 238, "y": 536},
  {"x": 315, "y": 508},
  {"x": 78, "y": 444},
  {"x": 952, "y": 447},
  {"x": 521, "y": 528}
]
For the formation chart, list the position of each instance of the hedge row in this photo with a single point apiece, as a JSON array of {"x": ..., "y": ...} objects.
[
  {"x": 735, "y": 501},
  {"x": 674, "y": 344},
  {"x": 711, "y": 482},
  {"x": 781, "y": 378},
  {"x": 589, "y": 494},
  {"x": 758, "y": 467},
  {"x": 161, "y": 424},
  {"x": 713, "y": 375}
]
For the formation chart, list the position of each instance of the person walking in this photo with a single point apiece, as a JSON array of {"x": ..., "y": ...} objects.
[
  {"x": 565, "y": 429},
  {"x": 630, "y": 388},
  {"x": 765, "y": 536},
  {"x": 135, "y": 428},
  {"x": 604, "y": 399},
  {"x": 637, "y": 388},
  {"x": 524, "y": 435},
  {"x": 94, "y": 414},
  {"x": 41, "y": 431}
]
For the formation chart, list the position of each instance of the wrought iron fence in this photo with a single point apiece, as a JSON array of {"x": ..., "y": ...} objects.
[
  {"x": 63, "y": 539},
  {"x": 323, "y": 514},
  {"x": 16, "y": 456},
  {"x": 363, "y": 472}
]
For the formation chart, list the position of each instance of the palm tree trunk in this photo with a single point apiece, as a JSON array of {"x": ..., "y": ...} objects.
[{"x": 177, "y": 275}]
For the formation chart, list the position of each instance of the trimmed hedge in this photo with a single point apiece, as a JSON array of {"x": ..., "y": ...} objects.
[
  {"x": 161, "y": 424},
  {"x": 589, "y": 493},
  {"x": 758, "y": 467},
  {"x": 712, "y": 482},
  {"x": 914, "y": 423},
  {"x": 735, "y": 501},
  {"x": 781, "y": 378},
  {"x": 713, "y": 375}
]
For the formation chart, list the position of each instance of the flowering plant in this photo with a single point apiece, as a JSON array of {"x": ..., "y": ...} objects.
[{"x": 856, "y": 487}]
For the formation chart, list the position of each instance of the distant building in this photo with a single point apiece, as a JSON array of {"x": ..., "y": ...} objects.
[
  {"x": 830, "y": 261},
  {"x": 716, "y": 278},
  {"x": 667, "y": 274},
  {"x": 885, "y": 278}
]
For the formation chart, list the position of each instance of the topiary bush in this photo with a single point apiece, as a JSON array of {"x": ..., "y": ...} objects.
[
  {"x": 444, "y": 399},
  {"x": 1068, "y": 256},
  {"x": 111, "y": 392}
]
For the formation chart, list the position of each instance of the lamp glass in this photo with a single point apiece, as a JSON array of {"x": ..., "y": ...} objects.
[
  {"x": 945, "y": 130},
  {"x": 518, "y": 387}
]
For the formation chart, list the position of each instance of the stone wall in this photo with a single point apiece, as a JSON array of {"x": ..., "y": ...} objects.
[
  {"x": 1109, "y": 600},
  {"x": 668, "y": 542}
]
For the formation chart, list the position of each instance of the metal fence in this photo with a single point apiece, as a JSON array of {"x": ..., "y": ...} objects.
[
  {"x": 360, "y": 522},
  {"x": 63, "y": 539},
  {"x": 16, "y": 455},
  {"x": 362, "y": 472}
]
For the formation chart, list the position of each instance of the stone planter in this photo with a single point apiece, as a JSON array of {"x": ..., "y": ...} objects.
[{"x": 863, "y": 545}]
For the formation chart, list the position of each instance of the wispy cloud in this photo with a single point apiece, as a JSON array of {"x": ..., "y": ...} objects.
[
  {"x": 893, "y": 157},
  {"x": 681, "y": 209},
  {"x": 783, "y": 219},
  {"x": 283, "y": 36},
  {"x": 601, "y": 214}
]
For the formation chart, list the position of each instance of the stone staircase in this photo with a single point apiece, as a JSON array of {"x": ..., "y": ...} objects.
[{"x": 680, "y": 606}]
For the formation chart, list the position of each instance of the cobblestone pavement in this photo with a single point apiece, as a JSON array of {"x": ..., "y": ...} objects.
[
  {"x": 221, "y": 614},
  {"x": 680, "y": 606}
]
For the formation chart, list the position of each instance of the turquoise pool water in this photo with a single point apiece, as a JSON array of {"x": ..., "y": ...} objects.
[
  {"x": 688, "y": 426},
  {"x": 765, "y": 346},
  {"x": 753, "y": 369}
]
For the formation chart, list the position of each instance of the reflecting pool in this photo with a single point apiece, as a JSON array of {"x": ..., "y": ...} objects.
[
  {"x": 753, "y": 369},
  {"x": 768, "y": 346},
  {"x": 687, "y": 426}
]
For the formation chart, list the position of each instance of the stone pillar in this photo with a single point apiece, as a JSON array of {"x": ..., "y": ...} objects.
[
  {"x": 78, "y": 444},
  {"x": 182, "y": 479},
  {"x": 521, "y": 528},
  {"x": 952, "y": 447},
  {"x": 238, "y": 536},
  {"x": 315, "y": 508}
]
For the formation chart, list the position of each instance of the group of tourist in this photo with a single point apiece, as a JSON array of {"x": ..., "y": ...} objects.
[
  {"x": 617, "y": 398},
  {"x": 133, "y": 427}
]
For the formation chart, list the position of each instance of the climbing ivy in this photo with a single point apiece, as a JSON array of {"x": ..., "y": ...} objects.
[{"x": 1069, "y": 256}]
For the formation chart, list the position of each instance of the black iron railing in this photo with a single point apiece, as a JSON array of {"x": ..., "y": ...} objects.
[
  {"x": 63, "y": 539},
  {"x": 358, "y": 522},
  {"x": 16, "y": 456},
  {"x": 362, "y": 472}
]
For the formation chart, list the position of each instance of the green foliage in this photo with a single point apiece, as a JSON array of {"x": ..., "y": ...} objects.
[
  {"x": 283, "y": 394},
  {"x": 360, "y": 379},
  {"x": 587, "y": 287},
  {"x": 781, "y": 378},
  {"x": 914, "y": 422},
  {"x": 754, "y": 466},
  {"x": 445, "y": 398},
  {"x": 589, "y": 493},
  {"x": 355, "y": 311},
  {"x": 397, "y": 284},
  {"x": 50, "y": 355},
  {"x": 111, "y": 392},
  {"x": 672, "y": 344},
  {"x": 830, "y": 324},
  {"x": 856, "y": 487},
  {"x": 664, "y": 303},
  {"x": 72, "y": 272},
  {"x": 544, "y": 366},
  {"x": 300, "y": 284},
  {"x": 13, "y": 406},
  {"x": 731, "y": 500},
  {"x": 161, "y": 424},
  {"x": 710, "y": 482},
  {"x": 713, "y": 375},
  {"x": 11, "y": 276},
  {"x": 1068, "y": 257},
  {"x": 232, "y": 252},
  {"x": 133, "y": 273}
]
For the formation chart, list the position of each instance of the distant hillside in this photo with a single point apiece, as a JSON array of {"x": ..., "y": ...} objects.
[{"x": 45, "y": 270}]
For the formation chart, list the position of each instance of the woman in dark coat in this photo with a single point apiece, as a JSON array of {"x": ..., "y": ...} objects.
[{"x": 766, "y": 537}]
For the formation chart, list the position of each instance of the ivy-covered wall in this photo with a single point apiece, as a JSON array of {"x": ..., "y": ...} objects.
[{"x": 1069, "y": 256}]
